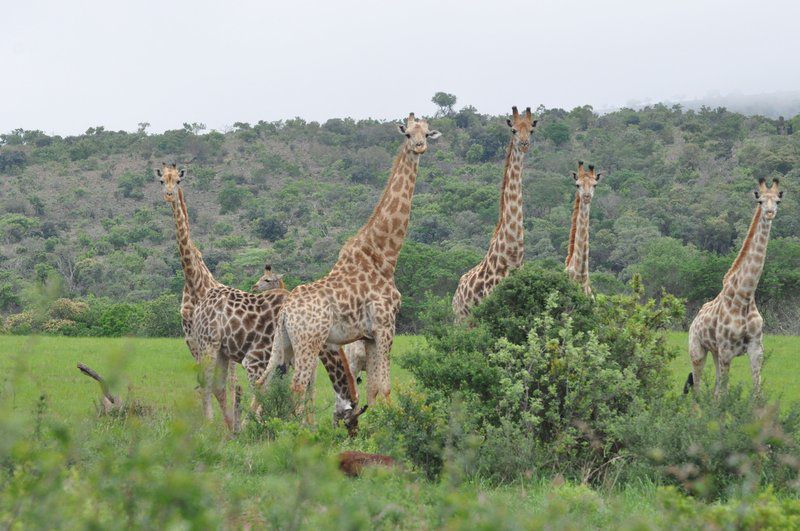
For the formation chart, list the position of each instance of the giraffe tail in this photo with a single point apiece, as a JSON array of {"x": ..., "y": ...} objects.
[{"x": 689, "y": 383}]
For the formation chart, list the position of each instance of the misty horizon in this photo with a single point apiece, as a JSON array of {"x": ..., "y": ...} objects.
[{"x": 77, "y": 66}]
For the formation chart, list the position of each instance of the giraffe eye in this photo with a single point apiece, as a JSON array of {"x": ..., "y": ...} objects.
[
  {"x": 513, "y": 131},
  {"x": 162, "y": 181},
  {"x": 408, "y": 135}
]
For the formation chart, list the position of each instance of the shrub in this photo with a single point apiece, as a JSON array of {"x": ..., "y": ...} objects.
[
  {"x": 21, "y": 323},
  {"x": 412, "y": 425},
  {"x": 544, "y": 367},
  {"x": 67, "y": 309},
  {"x": 714, "y": 448}
]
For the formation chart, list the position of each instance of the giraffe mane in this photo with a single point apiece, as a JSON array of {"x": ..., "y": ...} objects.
[
  {"x": 351, "y": 383},
  {"x": 573, "y": 229},
  {"x": 182, "y": 203},
  {"x": 745, "y": 247},
  {"x": 503, "y": 187}
]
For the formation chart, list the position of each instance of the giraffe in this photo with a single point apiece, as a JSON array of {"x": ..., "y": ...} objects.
[
  {"x": 224, "y": 325},
  {"x": 358, "y": 299},
  {"x": 730, "y": 324},
  {"x": 577, "y": 263},
  {"x": 268, "y": 281},
  {"x": 507, "y": 247}
]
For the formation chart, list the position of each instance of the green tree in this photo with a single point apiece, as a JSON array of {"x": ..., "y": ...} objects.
[{"x": 445, "y": 102}]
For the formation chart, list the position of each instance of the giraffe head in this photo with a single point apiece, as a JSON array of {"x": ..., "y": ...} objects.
[
  {"x": 585, "y": 181},
  {"x": 521, "y": 127},
  {"x": 417, "y": 134},
  {"x": 349, "y": 417},
  {"x": 268, "y": 281},
  {"x": 768, "y": 197},
  {"x": 170, "y": 177}
]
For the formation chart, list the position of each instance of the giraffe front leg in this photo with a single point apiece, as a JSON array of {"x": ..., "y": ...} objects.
[
  {"x": 255, "y": 364},
  {"x": 755, "y": 351},
  {"x": 305, "y": 365},
  {"x": 378, "y": 364},
  {"x": 219, "y": 386},
  {"x": 723, "y": 369},
  {"x": 206, "y": 362}
]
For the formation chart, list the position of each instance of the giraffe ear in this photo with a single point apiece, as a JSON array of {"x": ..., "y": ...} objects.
[
  {"x": 401, "y": 128},
  {"x": 756, "y": 194},
  {"x": 182, "y": 173},
  {"x": 509, "y": 122},
  {"x": 575, "y": 175},
  {"x": 533, "y": 123},
  {"x": 434, "y": 134},
  {"x": 279, "y": 276},
  {"x": 598, "y": 175},
  {"x": 158, "y": 172}
]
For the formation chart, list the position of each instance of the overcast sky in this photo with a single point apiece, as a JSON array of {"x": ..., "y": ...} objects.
[{"x": 69, "y": 65}]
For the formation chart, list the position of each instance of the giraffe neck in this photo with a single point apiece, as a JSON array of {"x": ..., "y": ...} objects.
[
  {"x": 509, "y": 230},
  {"x": 197, "y": 278},
  {"x": 386, "y": 229},
  {"x": 579, "y": 257},
  {"x": 742, "y": 279}
]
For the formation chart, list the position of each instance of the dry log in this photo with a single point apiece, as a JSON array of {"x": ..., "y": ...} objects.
[{"x": 110, "y": 401}]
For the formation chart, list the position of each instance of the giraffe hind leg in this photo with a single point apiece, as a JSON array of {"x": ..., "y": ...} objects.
[{"x": 697, "y": 355}]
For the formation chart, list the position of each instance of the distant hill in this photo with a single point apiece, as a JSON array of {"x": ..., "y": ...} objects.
[
  {"x": 772, "y": 105},
  {"x": 674, "y": 204}
]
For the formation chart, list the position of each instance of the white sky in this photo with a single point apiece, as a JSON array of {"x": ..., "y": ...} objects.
[{"x": 68, "y": 65}]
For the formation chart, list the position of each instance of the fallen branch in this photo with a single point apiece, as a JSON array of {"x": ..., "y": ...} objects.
[{"x": 110, "y": 401}]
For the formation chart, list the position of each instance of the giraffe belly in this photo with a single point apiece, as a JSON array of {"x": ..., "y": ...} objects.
[{"x": 344, "y": 333}]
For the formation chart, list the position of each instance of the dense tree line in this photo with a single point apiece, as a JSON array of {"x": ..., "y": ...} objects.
[{"x": 83, "y": 217}]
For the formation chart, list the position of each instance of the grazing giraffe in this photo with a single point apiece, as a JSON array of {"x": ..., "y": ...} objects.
[
  {"x": 507, "y": 247},
  {"x": 577, "y": 263},
  {"x": 358, "y": 299},
  {"x": 731, "y": 325},
  {"x": 223, "y": 324}
]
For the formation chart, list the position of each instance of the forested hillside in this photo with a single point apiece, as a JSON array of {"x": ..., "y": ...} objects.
[{"x": 83, "y": 217}]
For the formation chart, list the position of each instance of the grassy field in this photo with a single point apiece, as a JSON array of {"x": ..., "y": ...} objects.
[
  {"x": 161, "y": 371},
  {"x": 289, "y": 481}
]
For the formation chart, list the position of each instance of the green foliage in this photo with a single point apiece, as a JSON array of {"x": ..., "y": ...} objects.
[
  {"x": 548, "y": 371},
  {"x": 445, "y": 102},
  {"x": 674, "y": 205},
  {"x": 715, "y": 448},
  {"x": 556, "y": 132},
  {"x": 131, "y": 184},
  {"x": 15, "y": 227}
]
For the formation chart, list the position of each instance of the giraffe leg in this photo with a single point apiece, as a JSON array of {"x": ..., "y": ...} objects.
[
  {"x": 378, "y": 364},
  {"x": 306, "y": 354},
  {"x": 697, "y": 355},
  {"x": 219, "y": 386},
  {"x": 340, "y": 373},
  {"x": 755, "y": 351},
  {"x": 207, "y": 362},
  {"x": 205, "y": 397},
  {"x": 755, "y": 348},
  {"x": 723, "y": 368},
  {"x": 255, "y": 364}
]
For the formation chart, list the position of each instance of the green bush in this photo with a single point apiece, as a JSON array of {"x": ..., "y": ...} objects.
[
  {"x": 542, "y": 366},
  {"x": 714, "y": 448}
]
